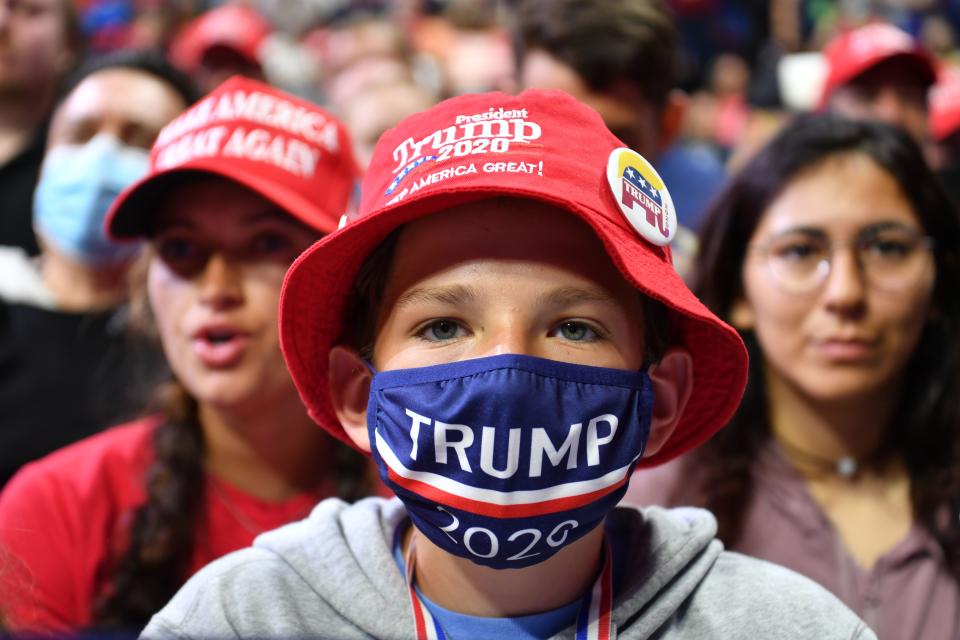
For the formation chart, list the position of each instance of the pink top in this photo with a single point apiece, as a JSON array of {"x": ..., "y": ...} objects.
[{"x": 908, "y": 594}]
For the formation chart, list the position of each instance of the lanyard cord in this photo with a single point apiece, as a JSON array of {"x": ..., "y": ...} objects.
[{"x": 594, "y": 619}]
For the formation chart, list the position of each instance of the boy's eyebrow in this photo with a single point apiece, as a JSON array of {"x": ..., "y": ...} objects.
[
  {"x": 566, "y": 296},
  {"x": 453, "y": 295}
]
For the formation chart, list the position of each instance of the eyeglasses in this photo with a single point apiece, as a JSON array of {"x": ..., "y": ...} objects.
[{"x": 891, "y": 256}]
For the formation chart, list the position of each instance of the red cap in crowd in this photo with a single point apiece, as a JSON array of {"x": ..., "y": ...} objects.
[
  {"x": 945, "y": 104},
  {"x": 542, "y": 145},
  {"x": 286, "y": 149},
  {"x": 236, "y": 27},
  {"x": 859, "y": 50}
]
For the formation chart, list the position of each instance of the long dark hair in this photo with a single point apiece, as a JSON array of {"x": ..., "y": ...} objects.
[
  {"x": 928, "y": 414},
  {"x": 161, "y": 541}
]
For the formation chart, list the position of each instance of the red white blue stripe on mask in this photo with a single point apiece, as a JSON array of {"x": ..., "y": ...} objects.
[
  {"x": 506, "y": 459},
  {"x": 500, "y": 504}
]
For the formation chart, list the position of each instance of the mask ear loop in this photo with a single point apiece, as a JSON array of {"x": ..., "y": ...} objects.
[{"x": 369, "y": 365}]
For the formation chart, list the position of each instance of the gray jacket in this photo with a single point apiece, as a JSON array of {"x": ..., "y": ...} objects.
[{"x": 333, "y": 575}]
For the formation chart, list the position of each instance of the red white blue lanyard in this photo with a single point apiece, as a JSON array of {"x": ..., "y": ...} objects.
[{"x": 594, "y": 619}]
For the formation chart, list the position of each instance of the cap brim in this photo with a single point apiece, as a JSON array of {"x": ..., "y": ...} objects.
[
  {"x": 924, "y": 65},
  {"x": 131, "y": 214},
  {"x": 318, "y": 284}
]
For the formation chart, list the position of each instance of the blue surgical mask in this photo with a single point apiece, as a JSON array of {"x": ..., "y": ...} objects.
[
  {"x": 507, "y": 459},
  {"x": 77, "y": 185}
]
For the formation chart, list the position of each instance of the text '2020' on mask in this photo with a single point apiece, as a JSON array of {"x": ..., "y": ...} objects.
[
  {"x": 506, "y": 459},
  {"x": 78, "y": 183}
]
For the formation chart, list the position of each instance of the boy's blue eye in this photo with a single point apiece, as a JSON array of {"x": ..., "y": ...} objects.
[
  {"x": 441, "y": 330},
  {"x": 576, "y": 332}
]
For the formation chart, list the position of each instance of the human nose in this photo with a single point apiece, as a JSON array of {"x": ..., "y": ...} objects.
[
  {"x": 844, "y": 292},
  {"x": 221, "y": 283},
  {"x": 509, "y": 336}
]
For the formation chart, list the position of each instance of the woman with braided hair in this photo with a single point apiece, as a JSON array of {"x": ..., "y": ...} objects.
[{"x": 101, "y": 534}]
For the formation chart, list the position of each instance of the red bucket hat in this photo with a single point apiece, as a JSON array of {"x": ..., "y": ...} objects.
[
  {"x": 542, "y": 145},
  {"x": 859, "y": 50},
  {"x": 286, "y": 149}
]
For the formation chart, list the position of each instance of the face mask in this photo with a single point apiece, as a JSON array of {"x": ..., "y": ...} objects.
[
  {"x": 507, "y": 459},
  {"x": 77, "y": 185}
]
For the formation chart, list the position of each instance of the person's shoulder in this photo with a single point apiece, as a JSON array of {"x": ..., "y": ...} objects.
[
  {"x": 306, "y": 551},
  {"x": 124, "y": 442},
  {"x": 337, "y": 536},
  {"x": 247, "y": 587},
  {"x": 331, "y": 573},
  {"x": 762, "y": 599},
  {"x": 22, "y": 283},
  {"x": 678, "y": 579},
  {"x": 116, "y": 455}
]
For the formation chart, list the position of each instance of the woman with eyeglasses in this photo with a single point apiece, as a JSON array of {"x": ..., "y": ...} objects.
[{"x": 835, "y": 254}]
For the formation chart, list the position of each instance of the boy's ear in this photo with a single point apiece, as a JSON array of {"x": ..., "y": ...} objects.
[
  {"x": 672, "y": 380},
  {"x": 741, "y": 315},
  {"x": 349, "y": 380}
]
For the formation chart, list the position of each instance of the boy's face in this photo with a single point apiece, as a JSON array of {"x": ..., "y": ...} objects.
[{"x": 506, "y": 276}]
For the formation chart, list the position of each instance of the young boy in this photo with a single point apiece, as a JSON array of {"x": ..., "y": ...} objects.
[{"x": 500, "y": 327}]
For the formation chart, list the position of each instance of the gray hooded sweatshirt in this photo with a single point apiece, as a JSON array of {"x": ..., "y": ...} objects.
[{"x": 334, "y": 576}]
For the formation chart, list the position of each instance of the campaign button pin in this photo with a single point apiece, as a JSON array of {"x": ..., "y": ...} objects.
[{"x": 642, "y": 196}]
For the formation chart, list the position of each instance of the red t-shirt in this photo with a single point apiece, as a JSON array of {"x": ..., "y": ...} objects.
[{"x": 64, "y": 523}]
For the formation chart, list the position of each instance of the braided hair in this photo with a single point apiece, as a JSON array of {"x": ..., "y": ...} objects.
[{"x": 157, "y": 558}]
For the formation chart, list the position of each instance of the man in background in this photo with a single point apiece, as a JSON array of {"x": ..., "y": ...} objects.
[
  {"x": 879, "y": 72},
  {"x": 69, "y": 366},
  {"x": 39, "y": 41},
  {"x": 620, "y": 57}
]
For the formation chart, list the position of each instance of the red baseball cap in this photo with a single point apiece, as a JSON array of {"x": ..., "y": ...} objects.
[
  {"x": 234, "y": 26},
  {"x": 859, "y": 50},
  {"x": 542, "y": 145},
  {"x": 945, "y": 104},
  {"x": 286, "y": 149}
]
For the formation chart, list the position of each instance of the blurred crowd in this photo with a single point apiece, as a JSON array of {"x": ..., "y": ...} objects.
[
  {"x": 735, "y": 103},
  {"x": 739, "y": 68}
]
